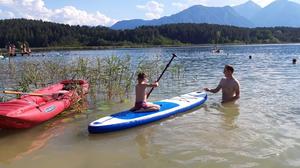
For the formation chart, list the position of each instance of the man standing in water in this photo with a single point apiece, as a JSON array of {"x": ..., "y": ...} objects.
[{"x": 229, "y": 85}]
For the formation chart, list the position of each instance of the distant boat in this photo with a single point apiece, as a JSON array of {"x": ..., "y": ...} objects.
[{"x": 217, "y": 50}]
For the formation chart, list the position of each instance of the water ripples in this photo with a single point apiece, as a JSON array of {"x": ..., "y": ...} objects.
[{"x": 262, "y": 129}]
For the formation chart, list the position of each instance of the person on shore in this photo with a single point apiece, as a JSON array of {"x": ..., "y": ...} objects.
[
  {"x": 9, "y": 49},
  {"x": 229, "y": 84},
  {"x": 23, "y": 49},
  {"x": 141, "y": 104},
  {"x": 13, "y": 50}
]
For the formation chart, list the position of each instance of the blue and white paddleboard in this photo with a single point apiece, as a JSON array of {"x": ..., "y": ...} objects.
[{"x": 128, "y": 119}]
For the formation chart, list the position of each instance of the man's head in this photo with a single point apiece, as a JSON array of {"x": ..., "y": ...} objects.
[{"x": 228, "y": 70}]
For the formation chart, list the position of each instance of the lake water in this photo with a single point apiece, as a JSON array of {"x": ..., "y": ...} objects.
[{"x": 262, "y": 129}]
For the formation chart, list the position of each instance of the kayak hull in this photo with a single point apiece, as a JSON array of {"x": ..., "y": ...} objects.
[
  {"x": 29, "y": 110},
  {"x": 129, "y": 119}
]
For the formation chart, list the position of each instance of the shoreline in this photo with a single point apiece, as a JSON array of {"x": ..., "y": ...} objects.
[{"x": 41, "y": 49}]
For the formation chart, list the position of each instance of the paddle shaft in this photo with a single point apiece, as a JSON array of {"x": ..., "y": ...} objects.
[{"x": 162, "y": 73}]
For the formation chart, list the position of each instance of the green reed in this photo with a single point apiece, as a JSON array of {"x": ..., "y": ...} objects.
[{"x": 111, "y": 77}]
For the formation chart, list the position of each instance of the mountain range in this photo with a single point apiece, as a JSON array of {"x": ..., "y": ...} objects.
[
  {"x": 249, "y": 14},
  {"x": 248, "y": 9}
]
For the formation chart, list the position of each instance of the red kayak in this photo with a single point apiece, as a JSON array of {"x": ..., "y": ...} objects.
[{"x": 41, "y": 105}]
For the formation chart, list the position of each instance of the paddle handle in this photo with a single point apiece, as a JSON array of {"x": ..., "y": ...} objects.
[
  {"x": 21, "y": 93},
  {"x": 173, "y": 56}
]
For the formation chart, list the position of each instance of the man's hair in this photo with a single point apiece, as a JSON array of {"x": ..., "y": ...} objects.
[
  {"x": 229, "y": 68},
  {"x": 141, "y": 76}
]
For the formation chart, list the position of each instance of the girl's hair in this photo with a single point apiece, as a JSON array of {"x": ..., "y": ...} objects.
[{"x": 141, "y": 76}]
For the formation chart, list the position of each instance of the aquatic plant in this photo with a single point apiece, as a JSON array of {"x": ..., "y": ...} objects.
[
  {"x": 111, "y": 78},
  {"x": 2, "y": 99}
]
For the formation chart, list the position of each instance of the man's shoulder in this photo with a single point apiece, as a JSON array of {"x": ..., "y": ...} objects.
[
  {"x": 236, "y": 80},
  {"x": 223, "y": 79}
]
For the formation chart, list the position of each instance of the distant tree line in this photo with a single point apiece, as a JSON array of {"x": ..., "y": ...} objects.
[{"x": 47, "y": 34}]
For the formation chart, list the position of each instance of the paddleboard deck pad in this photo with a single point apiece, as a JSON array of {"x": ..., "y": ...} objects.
[{"x": 128, "y": 119}]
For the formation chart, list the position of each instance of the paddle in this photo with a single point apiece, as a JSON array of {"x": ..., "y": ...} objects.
[
  {"x": 32, "y": 94},
  {"x": 162, "y": 73}
]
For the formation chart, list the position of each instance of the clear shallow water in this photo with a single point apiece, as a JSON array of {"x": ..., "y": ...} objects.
[{"x": 262, "y": 129}]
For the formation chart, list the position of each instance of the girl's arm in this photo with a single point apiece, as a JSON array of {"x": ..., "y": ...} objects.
[{"x": 153, "y": 85}]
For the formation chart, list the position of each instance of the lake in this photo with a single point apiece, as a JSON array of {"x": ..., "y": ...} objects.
[{"x": 262, "y": 129}]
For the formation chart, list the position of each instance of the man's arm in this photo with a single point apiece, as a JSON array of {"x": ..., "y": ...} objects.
[
  {"x": 237, "y": 92},
  {"x": 217, "y": 89}
]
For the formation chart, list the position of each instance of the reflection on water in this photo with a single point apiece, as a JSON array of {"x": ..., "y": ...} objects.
[
  {"x": 261, "y": 129},
  {"x": 21, "y": 143},
  {"x": 229, "y": 112},
  {"x": 143, "y": 141}
]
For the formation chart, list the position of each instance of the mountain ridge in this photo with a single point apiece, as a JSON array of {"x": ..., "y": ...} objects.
[
  {"x": 248, "y": 14},
  {"x": 287, "y": 14},
  {"x": 247, "y": 9},
  {"x": 195, "y": 14}
]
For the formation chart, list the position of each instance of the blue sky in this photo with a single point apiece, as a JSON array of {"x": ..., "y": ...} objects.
[
  {"x": 127, "y": 9},
  {"x": 118, "y": 9},
  {"x": 103, "y": 12}
]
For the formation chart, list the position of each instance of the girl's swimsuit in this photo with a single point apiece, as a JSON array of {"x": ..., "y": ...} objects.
[{"x": 139, "y": 105}]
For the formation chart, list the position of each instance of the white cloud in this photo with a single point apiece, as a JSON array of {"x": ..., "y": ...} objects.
[
  {"x": 153, "y": 9},
  {"x": 73, "y": 16},
  {"x": 36, "y": 9},
  {"x": 6, "y": 2}
]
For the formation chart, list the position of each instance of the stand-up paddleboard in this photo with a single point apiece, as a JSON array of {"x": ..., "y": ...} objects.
[{"x": 128, "y": 119}]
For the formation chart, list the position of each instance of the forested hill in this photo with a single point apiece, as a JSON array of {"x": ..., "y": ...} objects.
[{"x": 47, "y": 34}]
